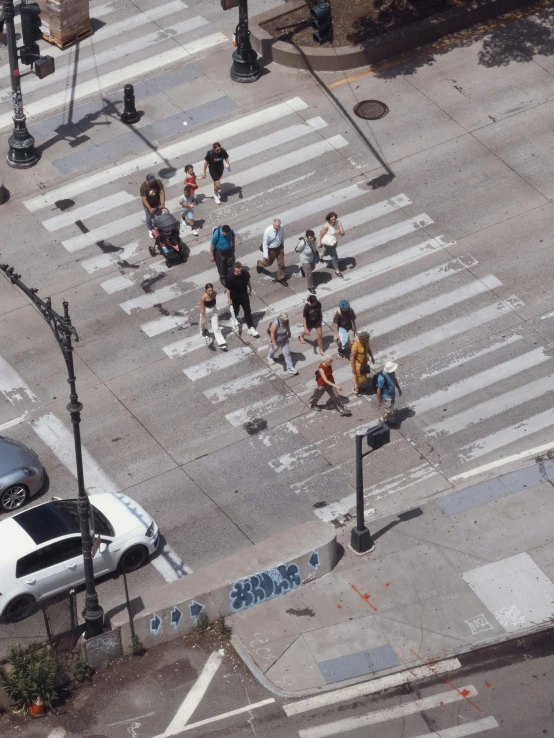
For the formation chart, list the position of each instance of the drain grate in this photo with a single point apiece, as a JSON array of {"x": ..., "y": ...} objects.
[{"x": 371, "y": 109}]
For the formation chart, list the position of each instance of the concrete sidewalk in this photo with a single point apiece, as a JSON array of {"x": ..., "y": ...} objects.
[{"x": 473, "y": 567}]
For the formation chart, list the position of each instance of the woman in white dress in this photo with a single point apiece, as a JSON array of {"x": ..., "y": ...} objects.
[{"x": 328, "y": 240}]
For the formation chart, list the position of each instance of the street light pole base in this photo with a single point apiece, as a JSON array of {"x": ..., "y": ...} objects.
[
  {"x": 245, "y": 67},
  {"x": 94, "y": 620},
  {"x": 360, "y": 541},
  {"x": 21, "y": 153}
]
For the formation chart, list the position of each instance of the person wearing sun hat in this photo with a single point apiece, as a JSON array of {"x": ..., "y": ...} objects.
[{"x": 387, "y": 384}]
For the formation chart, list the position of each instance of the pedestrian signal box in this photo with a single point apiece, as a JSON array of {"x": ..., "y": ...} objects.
[
  {"x": 321, "y": 21},
  {"x": 43, "y": 66},
  {"x": 228, "y": 4},
  {"x": 377, "y": 436}
]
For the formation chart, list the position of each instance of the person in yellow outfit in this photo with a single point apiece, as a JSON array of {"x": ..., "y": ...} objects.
[{"x": 359, "y": 355}]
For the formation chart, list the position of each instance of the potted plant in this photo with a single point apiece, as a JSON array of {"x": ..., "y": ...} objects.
[{"x": 29, "y": 680}]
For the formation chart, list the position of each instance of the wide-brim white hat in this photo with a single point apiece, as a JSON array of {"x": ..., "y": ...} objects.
[{"x": 390, "y": 367}]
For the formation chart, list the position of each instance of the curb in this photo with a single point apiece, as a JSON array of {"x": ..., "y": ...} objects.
[
  {"x": 372, "y": 52},
  {"x": 262, "y": 679}
]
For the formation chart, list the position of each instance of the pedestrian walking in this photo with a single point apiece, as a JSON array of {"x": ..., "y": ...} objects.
[
  {"x": 325, "y": 382},
  {"x": 307, "y": 250},
  {"x": 209, "y": 315},
  {"x": 2, "y": 43},
  {"x": 345, "y": 328},
  {"x": 387, "y": 384},
  {"x": 273, "y": 247},
  {"x": 359, "y": 360},
  {"x": 153, "y": 198},
  {"x": 187, "y": 202},
  {"x": 279, "y": 334},
  {"x": 190, "y": 178},
  {"x": 328, "y": 240},
  {"x": 239, "y": 292},
  {"x": 313, "y": 320},
  {"x": 214, "y": 162},
  {"x": 222, "y": 251}
]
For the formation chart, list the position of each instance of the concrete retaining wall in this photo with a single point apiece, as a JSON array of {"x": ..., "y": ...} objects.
[
  {"x": 268, "y": 570},
  {"x": 378, "y": 49}
]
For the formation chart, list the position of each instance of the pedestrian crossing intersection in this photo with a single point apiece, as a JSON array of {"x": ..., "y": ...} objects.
[{"x": 475, "y": 376}]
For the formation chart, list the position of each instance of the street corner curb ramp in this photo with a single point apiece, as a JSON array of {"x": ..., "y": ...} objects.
[{"x": 281, "y": 564}]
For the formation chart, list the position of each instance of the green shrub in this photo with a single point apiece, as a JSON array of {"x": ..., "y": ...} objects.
[
  {"x": 31, "y": 676},
  {"x": 202, "y": 622},
  {"x": 82, "y": 671},
  {"x": 223, "y": 628},
  {"x": 136, "y": 645}
]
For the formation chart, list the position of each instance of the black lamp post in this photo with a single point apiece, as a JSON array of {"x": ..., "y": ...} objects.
[
  {"x": 377, "y": 436},
  {"x": 245, "y": 67},
  {"x": 21, "y": 153},
  {"x": 64, "y": 332}
]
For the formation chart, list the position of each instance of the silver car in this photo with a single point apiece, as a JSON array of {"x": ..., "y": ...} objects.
[{"x": 21, "y": 474}]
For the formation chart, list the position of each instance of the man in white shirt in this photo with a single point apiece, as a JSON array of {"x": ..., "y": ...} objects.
[{"x": 273, "y": 247}]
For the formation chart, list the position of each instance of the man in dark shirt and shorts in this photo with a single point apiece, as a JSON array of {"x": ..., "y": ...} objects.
[
  {"x": 153, "y": 197},
  {"x": 215, "y": 161},
  {"x": 345, "y": 327},
  {"x": 238, "y": 296}
]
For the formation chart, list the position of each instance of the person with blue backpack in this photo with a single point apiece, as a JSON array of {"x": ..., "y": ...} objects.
[
  {"x": 222, "y": 251},
  {"x": 386, "y": 386}
]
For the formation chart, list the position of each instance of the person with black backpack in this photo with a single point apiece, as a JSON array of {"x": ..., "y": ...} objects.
[{"x": 307, "y": 250}]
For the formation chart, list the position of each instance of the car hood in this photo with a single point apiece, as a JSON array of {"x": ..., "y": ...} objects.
[
  {"x": 125, "y": 515},
  {"x": 14, "y": 455}
]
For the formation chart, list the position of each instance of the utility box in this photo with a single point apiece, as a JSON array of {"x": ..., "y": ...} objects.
[
  {"x": 65, "y": 21},
  {"x": 44, "y": 66},
  {"x": 378, "y": 435}
]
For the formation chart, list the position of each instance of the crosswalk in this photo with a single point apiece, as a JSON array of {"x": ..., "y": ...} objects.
[{"x": 473, "y": 377}]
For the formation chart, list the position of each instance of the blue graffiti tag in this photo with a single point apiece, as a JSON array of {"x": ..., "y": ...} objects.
[{"x": 265, "y": 586}]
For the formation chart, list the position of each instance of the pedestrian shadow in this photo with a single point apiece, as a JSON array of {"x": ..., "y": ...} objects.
[
  {"x": 321, "y": 278},
  {"x": 400, "y": 416},
  {"x": 402, "y": 517},
  {"x": 227, "y": 189}
]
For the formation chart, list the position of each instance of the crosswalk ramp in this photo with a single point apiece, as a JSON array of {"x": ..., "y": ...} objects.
[{"x": 456, "y": 336}]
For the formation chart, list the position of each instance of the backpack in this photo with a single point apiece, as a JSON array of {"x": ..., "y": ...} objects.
[
  {"x": 269, "y": 326},
  {"x": 314, "y": 253},
  {"x": 375, "y": 379}
]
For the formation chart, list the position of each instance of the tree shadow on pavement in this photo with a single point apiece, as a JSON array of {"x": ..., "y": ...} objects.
[{"x": 516, "y": 37}]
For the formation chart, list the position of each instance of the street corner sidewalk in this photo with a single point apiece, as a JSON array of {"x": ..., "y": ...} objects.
[{"x": 470, "y": 568}]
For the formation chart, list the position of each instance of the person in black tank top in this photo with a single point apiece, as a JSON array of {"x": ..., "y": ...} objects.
[{"x": 209, "y": 315}]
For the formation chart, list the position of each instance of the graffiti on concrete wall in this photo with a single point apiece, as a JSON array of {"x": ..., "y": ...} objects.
[{"x": 265, "y": 586}]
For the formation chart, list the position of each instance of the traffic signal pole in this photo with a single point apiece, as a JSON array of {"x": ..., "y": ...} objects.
[
  {"x": 21, "y": 151},
  {"x": 245, "y": 67}
]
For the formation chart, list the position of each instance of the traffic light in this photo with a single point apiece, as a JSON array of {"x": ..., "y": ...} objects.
[
  {"x": 30, "y": 31},
  {"x": 321, "y": 21}
]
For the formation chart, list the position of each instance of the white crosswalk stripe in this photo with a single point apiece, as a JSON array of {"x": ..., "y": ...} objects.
[{"x": 381, "y": 237}]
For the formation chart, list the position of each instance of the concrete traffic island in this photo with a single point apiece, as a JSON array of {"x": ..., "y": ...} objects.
[
  {"x": 374, "y": 51},
  {"x": 266, "y": 571}
]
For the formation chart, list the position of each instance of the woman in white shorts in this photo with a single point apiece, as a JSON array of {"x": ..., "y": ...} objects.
[{"x": 209, "y": 313}]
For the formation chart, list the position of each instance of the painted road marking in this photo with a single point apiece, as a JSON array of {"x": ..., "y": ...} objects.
[
  {"x": 102, "y": 261},
  {"x": 179, "y": 319},
  {"x": 196, "y": 694},
  {"x": 53, "y": 432},
  {"x": 260, "y": 409},
  {"x": 224, "y": 716},
  {"x": 57, "y": 733},
  {"x": 281, "y": 163},
  {"x": 513, "y": 434},
  {"x": 528, "y": 454},
  {"x": 176, "y": 150},
  {"x": 379, "y": 238},
  {"x": 129, "y": 720},
  {"x": 240, "y": 384},
  {"x": 116, "y": 284},
  {"x": 87, "y": 211},
  {"x": 221, "y": 361},
  {"x": 11, "y": 423},
  {"x": 494, "y": 406},
  {"x": 483, "y": 379},
  {"x": 372, "y": 687},
  {"x": 102, "y": 83},
  {"x": 12, "y": 386},
  {"x": 389, "y": 713},
  {"x": 459, "y": 731},
  {"x": 459, "y": 358}
]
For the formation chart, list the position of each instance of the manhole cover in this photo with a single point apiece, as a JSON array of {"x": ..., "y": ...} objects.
[{"x": 371, "y": 109}]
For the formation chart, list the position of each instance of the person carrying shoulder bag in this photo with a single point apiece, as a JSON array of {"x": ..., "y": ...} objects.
[
  {"x": 306, "y": 249},
  {"x": 328, "y": 240}
]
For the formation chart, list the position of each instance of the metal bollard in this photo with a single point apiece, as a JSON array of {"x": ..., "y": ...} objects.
[{"x": 129, "y": 115}]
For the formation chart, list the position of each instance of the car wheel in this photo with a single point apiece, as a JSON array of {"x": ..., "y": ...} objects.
[
  {"x": 14, "y": 497},
  {"x": 133, "y": 559},
  {"x": 19, "y": 608}
]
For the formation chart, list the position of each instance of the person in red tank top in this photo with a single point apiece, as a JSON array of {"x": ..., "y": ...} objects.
[
  {"x": 326, "y": 383},
  {"x": 190, "y": 178}
]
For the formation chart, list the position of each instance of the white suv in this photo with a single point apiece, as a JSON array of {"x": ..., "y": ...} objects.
[{"x": 41, "y": 554}]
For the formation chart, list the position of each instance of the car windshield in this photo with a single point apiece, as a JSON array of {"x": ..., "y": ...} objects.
[{"x": 102, "y": 525}]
